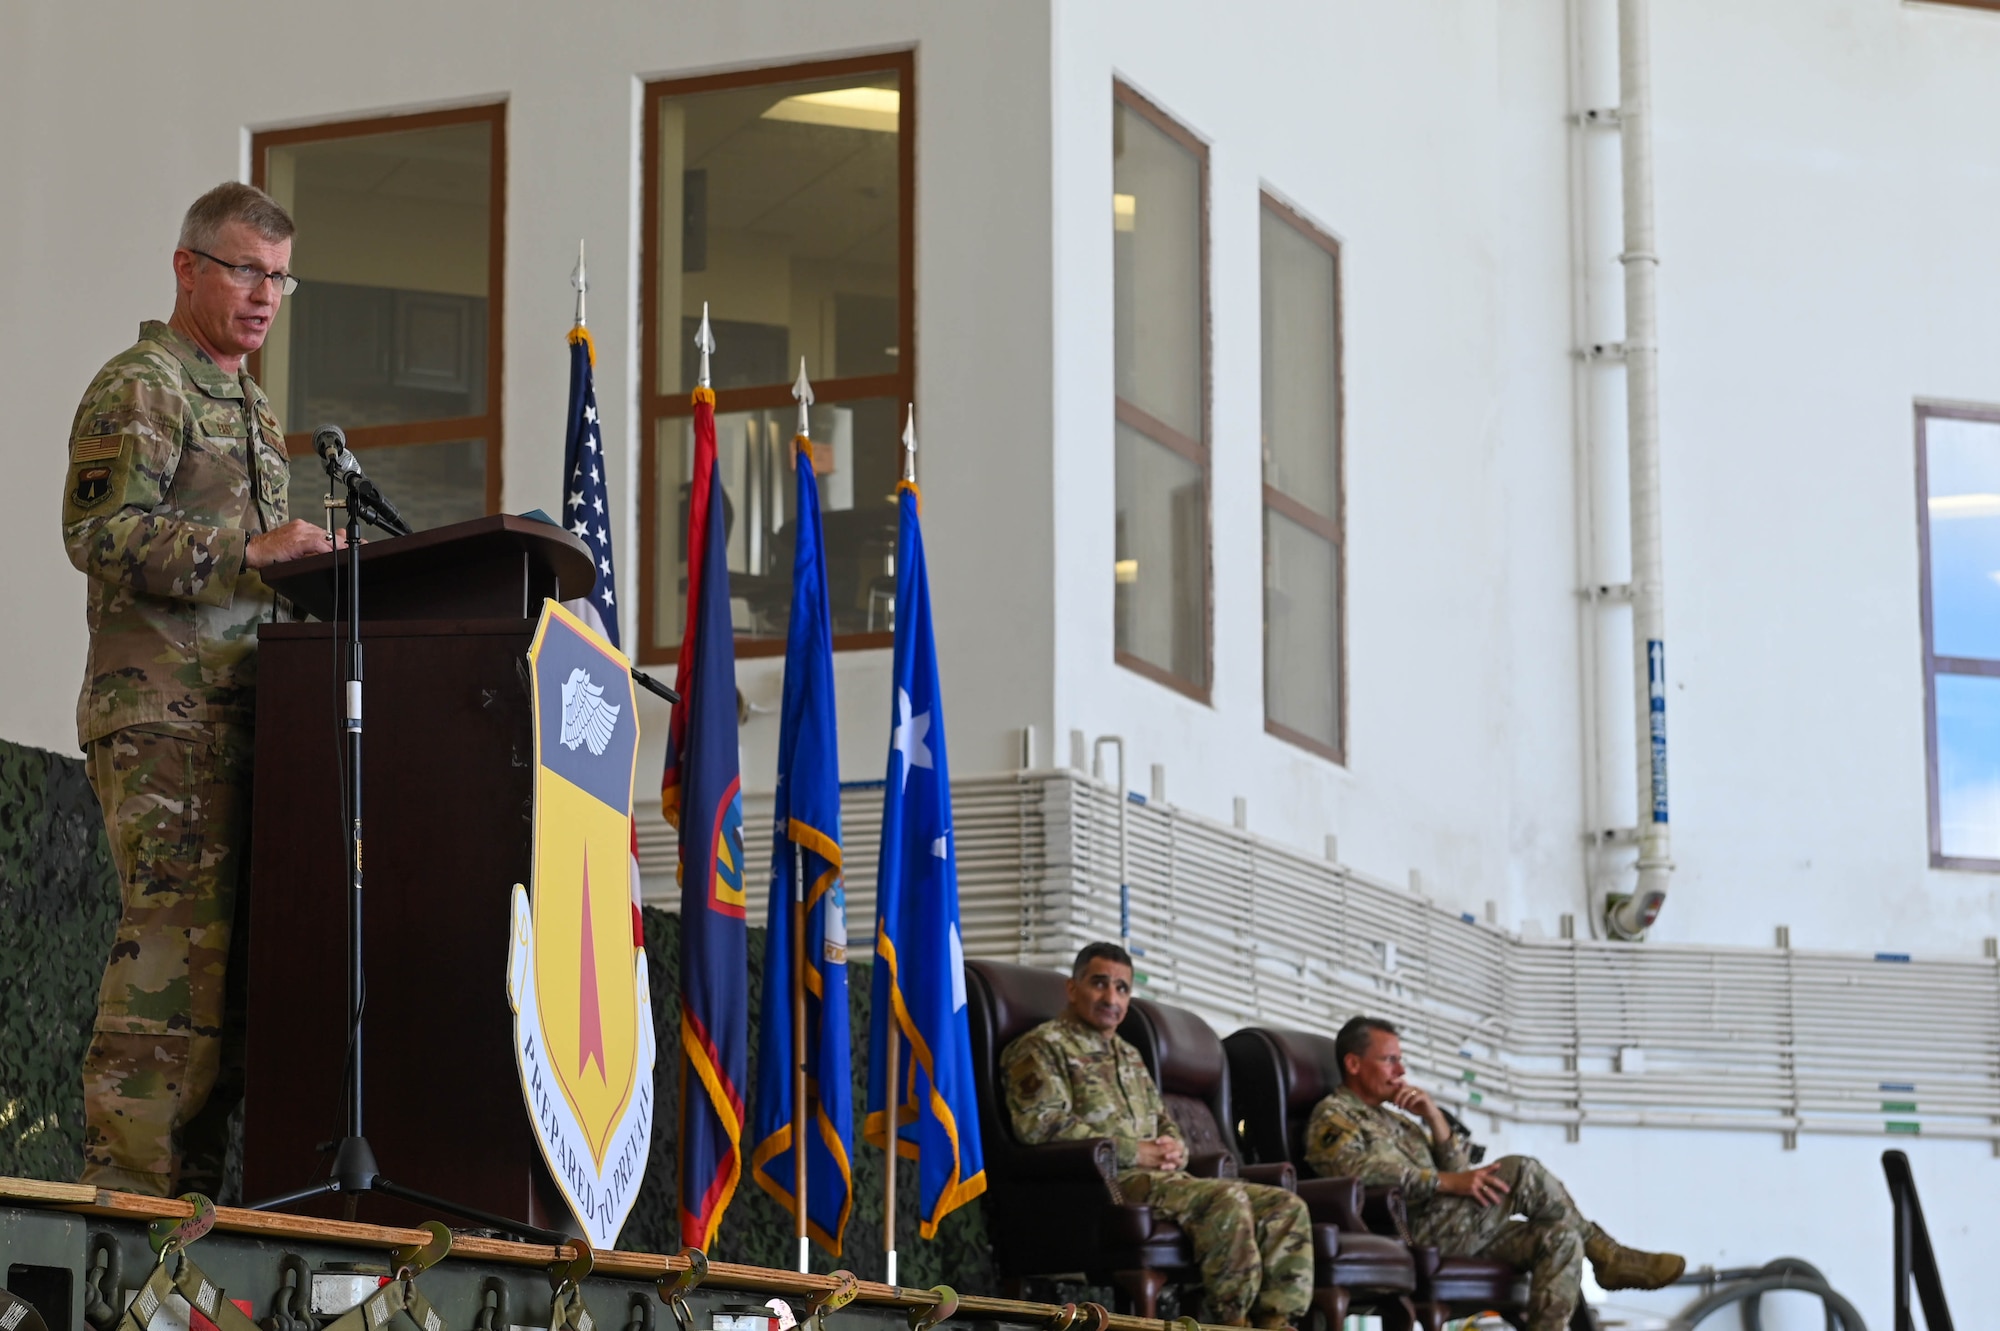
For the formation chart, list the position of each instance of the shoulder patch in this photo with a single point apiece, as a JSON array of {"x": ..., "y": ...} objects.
[
  {"x": 96, "y": 448},
  {"x": 93, "y": 484}
]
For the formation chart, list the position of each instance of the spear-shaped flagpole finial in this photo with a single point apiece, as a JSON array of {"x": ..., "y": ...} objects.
[
  {"x": 803, "y": 391},
  {"x": 910, "y": 446},
  {"x": 704, "y": 341},
  {"x": 580, "y": 279}
]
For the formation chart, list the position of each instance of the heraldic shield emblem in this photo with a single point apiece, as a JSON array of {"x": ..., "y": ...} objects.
[{"x": 576, "y": 967}]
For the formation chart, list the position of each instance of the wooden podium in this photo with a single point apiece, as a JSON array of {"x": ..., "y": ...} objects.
[{"x": 447, "y": 804}]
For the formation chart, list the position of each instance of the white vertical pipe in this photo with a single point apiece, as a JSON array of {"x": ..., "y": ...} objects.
[
  {"x": 1630, "y": 916},
  {"x": 1604, "y": 545}
]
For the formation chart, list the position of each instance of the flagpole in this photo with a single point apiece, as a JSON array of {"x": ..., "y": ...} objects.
[
  {"x": 891, "y": 1113},
  {"x": 799, "y": 1057},
  {"x": 802, "y": 390}
]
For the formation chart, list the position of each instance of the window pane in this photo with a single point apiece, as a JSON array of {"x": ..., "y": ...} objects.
[
  {"x": 1301, "y": 369},
  {"x": 856, "y": 452},
  {"x": 1968, "y": 741},
  {"x": 1301, "y": 630},
  {"x": 1156, "y": 248},
  {"x": 780, "y": 207},
  {"x": 389, "y": 323},
  {"x": 1962, "y": 468},
  {"x": 1161, "y": 545},
  {"x": 431, "y": 485}
]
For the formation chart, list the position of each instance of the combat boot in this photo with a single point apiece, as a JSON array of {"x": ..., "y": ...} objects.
[{"x": 1619, "y": 1267}]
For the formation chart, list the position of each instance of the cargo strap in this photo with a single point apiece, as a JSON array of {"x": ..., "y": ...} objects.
[
  {"x": 175, "y": 1270},
  {"x": 17, "y": 1314},
  {"x": 566, "y": 1308}
]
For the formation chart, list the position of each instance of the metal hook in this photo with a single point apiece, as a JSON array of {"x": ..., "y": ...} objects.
[
  {"x": 101, "y": 1292},
  {"x": 923, "y": 1319},
  {"x": 174, "y": 1235},
  {"x": 674, "y": 1292},
  {"x": 845, "y": 1287},
  {"x": 419, "y": 1258}
]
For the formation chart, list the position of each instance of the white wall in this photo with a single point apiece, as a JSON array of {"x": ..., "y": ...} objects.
[
  {"x": 1825, "y": 184},
  {"x": 1824, "y": 176},
  {"x": 96, "y": 185},
  {"x": 1429, "y": 140}
]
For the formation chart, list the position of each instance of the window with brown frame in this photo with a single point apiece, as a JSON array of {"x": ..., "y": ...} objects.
[
  {"x": 393, "y": 334},
  {"x": 1958, "y": 517},
  {"x": 1159, "y": 219},
  {"x": 783, "y": 200},
  {"x": 1304, "y": 679}
]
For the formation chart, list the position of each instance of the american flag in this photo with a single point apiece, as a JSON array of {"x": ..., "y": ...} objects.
[{"x": 586, "y": 506}]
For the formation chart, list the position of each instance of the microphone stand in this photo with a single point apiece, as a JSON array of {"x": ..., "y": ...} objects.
[{"x": 354, "y": 1169}]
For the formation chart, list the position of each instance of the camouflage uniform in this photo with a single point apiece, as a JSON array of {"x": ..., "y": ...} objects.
[
  {"x": 1349, "y": 1138},
  {"x": 173, "y": 467},
  {"x": 1067, "y": 1081}
]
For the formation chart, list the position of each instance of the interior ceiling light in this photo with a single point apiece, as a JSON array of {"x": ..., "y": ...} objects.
[
  {"x": 876, "y": 109},
  {"x": 1124, "y": 211},
  {"x": 1946, "y": 507}
]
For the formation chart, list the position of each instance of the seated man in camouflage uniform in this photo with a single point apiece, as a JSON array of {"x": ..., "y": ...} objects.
[
  {"x": 1514, "y": 1209},
  {"x": 1073, "y": 1078}
]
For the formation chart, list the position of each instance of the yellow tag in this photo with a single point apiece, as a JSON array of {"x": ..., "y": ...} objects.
[{"x": 97, "y": 448}]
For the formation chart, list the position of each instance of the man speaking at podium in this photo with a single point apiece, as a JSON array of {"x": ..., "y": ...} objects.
[{"x": 173, "y": 499}]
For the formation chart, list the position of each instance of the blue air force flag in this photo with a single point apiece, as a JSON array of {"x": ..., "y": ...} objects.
[
  {"x": 576, "y": 968},
  {"x": 806, "y": 875},
  {"x": 920, "y": 960}
]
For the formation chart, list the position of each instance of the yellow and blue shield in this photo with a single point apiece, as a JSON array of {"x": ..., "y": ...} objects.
[{"x": 576, "y": 973}]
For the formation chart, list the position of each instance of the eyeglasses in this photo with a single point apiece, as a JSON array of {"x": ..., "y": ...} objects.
[{"x": 249, "y": 276}]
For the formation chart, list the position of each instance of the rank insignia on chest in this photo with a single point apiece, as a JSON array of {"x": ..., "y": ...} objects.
[{"x": 92, "y": 485}]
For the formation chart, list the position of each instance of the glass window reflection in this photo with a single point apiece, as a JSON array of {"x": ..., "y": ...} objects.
[
  {"x": 1963, "y": 503},
  {"x": 854, "y": 451}
]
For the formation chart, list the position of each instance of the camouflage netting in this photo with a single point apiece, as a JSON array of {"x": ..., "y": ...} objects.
[
  {"x": 59, "y": 905},
  {"x": 58, "y": 908}
]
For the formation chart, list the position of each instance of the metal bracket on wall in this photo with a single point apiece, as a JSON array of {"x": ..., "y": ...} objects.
[
  {"x": 1608, "y": 591},
  {"x": 1602, "y": 351},
  {"x": 1599, "y": 117},
  {"x": 1615, "y": 836}
]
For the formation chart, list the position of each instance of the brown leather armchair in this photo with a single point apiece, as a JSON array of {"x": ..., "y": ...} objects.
[
  {"x": 1056, "y": 1210},
  {"x": 1278, "y": 1076},
  {"x": 1354, "y": 1270},
  {"x": 1188, "y": 1065}
]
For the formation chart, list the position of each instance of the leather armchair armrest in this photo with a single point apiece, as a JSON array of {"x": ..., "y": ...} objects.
[
  {"x": 1212, "y": 1164},
  {"x": 1334, "y": 1201},
  {"x": 1426, "y": 1258},
  {"x": 1280, "y": 1175},
  {"x": 1070, "y": 1162},
  {"x": 1125, "y": 1226},
  {"x": 1384, "y": 1210}
]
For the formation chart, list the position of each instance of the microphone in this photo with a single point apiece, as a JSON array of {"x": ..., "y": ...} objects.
[{"x": 330, "y": 442}]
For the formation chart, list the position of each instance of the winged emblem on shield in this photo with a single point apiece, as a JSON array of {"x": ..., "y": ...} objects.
[{"x": 586, "y": 717}]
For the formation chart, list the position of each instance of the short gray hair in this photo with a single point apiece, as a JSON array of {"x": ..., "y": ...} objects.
[{"x": 229, "y": 202}]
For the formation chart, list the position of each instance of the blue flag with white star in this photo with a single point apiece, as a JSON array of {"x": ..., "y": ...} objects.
[
  {"x": 919, "y": 980},
  {"x": 586, "y": 504}
]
